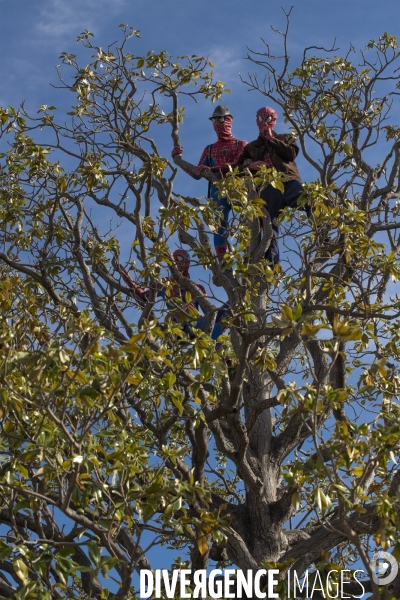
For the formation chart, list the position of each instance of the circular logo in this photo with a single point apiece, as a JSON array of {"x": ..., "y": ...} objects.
[{"x": 381, "y": 562}]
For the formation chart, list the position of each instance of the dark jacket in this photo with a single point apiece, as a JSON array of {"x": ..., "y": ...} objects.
[{"x": 282, "y": 150}]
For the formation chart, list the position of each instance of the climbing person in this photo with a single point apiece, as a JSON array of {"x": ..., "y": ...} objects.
[
  {"x": 216, "y": 157},
  {"x": 189, "y": 315},
  {"x": 279, "y": 151}
]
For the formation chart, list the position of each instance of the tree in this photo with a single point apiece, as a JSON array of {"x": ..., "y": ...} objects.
[{"x": 120, "y": 431}]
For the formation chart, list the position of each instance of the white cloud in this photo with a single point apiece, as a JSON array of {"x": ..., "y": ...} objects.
[
  {"x": 227, "y": 61},
  {"x": 60, "y": 19}
]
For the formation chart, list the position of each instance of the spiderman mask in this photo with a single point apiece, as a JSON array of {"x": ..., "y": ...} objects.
[
  {"x": 266, "y": 120},
  {"x": 223, "y": 129},
  {"x": 182, "y": 261}
]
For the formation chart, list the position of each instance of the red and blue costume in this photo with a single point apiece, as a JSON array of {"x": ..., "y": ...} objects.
[
  {"x": 216, "y": 157},
  {"x": 189, "y": 316}
]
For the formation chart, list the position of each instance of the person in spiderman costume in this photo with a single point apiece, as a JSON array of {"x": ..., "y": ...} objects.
[
  {"x": 182, "y": 261},
  {"x": 216, "y": 157},
  {"x": 274, "y": 150}
]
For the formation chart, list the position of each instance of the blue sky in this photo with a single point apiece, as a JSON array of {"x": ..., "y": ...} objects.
[{"x": 33, "y": 34}]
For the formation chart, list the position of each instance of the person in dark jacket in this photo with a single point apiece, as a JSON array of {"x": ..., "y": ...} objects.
[{"x": 274, "y": 150}]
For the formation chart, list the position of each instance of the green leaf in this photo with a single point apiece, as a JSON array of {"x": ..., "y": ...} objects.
[
  {"x": 296, "y": 500},
  {"x": 94, "y": 553},
  {"x": 8, "y": 426},
  {"x": 21, "y": 569},
  {"x": 176, "y": 398},
  {"x": 322, "y": 501},
  {"x": 278, "y": 185},
  {"x": 148, "y": 512},
  {"x": 5, "y": 550},
  {"x": 202, "y": 543},
  {"x": 168, "y": 380},
  {"x": 23, "y": 470},
  {"x": 297, "y": 312}
]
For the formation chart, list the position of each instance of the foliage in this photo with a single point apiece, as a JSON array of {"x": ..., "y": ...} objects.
[{"x": 121, "y": 432}]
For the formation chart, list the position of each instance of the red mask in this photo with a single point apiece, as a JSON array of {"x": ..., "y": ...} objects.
[
  {"x": 224, "y": 130},
  {"x": 266, "y": 120},
  {"x": 182, "y": 261}
]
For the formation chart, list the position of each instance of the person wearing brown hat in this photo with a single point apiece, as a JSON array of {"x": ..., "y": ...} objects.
[{"x": 216, "y": 157}]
